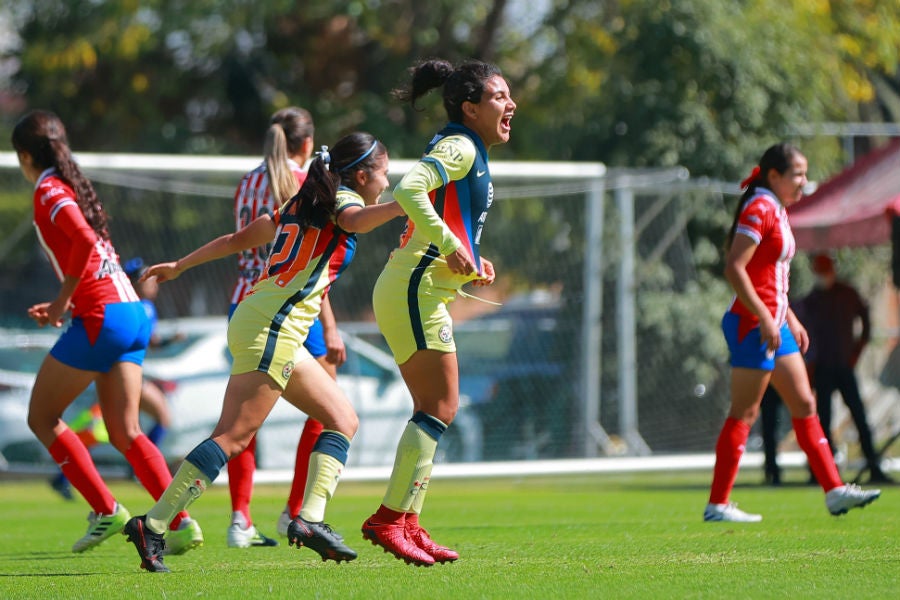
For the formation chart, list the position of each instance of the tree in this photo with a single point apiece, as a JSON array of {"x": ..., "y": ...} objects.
[{"x": 204, "y": 76}]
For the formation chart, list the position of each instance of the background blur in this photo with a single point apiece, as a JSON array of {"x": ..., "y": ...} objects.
[{"x": 676, "y": 99}]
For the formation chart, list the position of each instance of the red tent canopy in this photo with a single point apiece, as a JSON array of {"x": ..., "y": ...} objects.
[{"x": 854, "y": 207}]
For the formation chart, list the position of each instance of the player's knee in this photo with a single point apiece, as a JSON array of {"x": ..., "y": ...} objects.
[
  {"x": 40, "y": 423},
  {"x": 348, "y": 424}
]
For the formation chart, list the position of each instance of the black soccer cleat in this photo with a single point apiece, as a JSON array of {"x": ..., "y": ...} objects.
[
  {"x": 150, "y": 545},
  {"x": 319, "y": 537}
]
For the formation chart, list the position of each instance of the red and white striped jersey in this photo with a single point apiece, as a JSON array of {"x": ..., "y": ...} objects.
[
  {"x": 252, "y": 199},
  {"x": 765, "y": 221},
  {"x": 74, "y": 249}
]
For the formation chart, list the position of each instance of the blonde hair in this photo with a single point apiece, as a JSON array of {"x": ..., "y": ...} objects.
[{"x": 288, "y": 129}]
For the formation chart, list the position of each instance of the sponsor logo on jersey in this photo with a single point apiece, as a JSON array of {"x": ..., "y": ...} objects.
[
  {"x": 448, "y": 148},
  {"x": 52, "y": 192}
]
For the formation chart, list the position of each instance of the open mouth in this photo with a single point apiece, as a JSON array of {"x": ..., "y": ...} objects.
[{"x": 505, "y": 122}]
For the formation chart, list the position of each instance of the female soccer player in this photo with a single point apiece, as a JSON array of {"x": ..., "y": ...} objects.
[
  {"x": 765, "y": 338},
  {"x": 104, "y": 343},
  {"x": 446, "y": 196},
  {"x": 262, "y": 191},
  {"x": 313, "y": 244}
]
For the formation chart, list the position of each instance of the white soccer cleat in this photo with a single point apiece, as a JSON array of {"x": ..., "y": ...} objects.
[
  {"x": 843, "y": 498},
  {"x": 247, "y": 538},
  {"x": 729, "y": 512}
]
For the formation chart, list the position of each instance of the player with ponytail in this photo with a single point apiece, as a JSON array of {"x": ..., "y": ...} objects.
[
  {"x": 313, "y": 241},
  {"x": 765, "y": 338},
  {"x": 104, "y": 343}
]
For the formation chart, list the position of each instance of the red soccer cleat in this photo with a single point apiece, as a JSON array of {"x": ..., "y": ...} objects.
[
  {"x": 417, "y": 535},
  {"x": 392, "y": 537}
]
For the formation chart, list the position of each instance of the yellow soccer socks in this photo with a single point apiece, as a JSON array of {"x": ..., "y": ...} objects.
[
  {"x": 413, "y": 463},
  {"x": 325, "y": 465},
  {"x": 196, "y": 473}
]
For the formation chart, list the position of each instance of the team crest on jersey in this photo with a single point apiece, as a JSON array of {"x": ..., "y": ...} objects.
[
  {"x": 445, "y": 334},
  {"x": 287, "y": 370}
]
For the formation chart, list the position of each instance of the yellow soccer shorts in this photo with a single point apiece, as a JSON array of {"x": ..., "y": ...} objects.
[
  {"x": 414, "y": 316},
  {"x": 269, "y": 345}
]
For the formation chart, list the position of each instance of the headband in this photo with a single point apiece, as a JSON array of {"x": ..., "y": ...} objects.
[{"x": 361, "y": 158}]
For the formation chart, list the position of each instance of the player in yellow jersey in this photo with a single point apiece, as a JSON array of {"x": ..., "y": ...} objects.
[
  {"x": 446, "y": 196},
  {"x": 314, "y": 241}
]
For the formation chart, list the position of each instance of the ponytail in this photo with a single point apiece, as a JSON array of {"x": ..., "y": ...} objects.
[
  {"x": 316, "y": 202},
  {"x": 282, "y": 182},
  {"x": 462, "y": 83}
]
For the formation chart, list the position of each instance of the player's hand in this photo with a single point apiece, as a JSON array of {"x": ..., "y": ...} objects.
[
  {"x": 162, "y": 271},
  {"x": 336, "y": 351},
  {"x": 802, "y": 337},
  {"x": 49, "y": 313},
  {"x": 769, "y": 335},
  {"x": 38, "y": 313},
  {"x": 460, "y": 262},
  {"x": 488, "y": 275}
]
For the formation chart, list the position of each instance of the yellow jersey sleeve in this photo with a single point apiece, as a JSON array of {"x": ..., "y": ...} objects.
[{"x": 450, "y": 160}]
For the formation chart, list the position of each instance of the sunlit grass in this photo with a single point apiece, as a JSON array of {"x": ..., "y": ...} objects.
[{"x": 598, "y": 536}]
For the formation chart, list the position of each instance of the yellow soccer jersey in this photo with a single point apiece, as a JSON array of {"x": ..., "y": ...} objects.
[
  {"x": 275, "y": 317},
  {"x": 446, "y": 197}
]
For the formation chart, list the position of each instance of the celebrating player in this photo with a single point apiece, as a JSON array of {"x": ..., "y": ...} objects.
[
  {"x": 262, "y": 191},
  {"x": 446, "y": 196}
]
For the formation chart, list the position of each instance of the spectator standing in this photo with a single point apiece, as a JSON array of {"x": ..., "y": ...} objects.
[{"x": 837, "y": 319}]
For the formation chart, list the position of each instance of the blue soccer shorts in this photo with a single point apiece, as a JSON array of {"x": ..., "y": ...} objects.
[{"x": 750, "y": 353}]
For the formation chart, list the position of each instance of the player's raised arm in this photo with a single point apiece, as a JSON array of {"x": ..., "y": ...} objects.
[{"x": 257, "y": 233}]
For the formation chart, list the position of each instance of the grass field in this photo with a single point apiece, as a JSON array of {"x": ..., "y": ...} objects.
[{"x": 597, "y": 536}]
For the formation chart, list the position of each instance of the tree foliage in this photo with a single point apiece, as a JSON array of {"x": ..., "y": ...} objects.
[{"x": 706, "y": 84}]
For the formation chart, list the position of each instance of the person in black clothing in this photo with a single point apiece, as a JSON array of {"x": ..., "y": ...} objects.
[
  {"x": 830, "y": 313},
  {"x": 769, "y": 410}
]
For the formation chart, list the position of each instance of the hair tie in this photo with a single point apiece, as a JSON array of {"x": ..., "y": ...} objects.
[
  {"x": 361, "y": 158},
  {"x": 324, "y": 155},
  {"x": 753, "y": 175}
]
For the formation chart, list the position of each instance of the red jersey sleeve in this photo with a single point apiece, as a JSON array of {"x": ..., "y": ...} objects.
[
  {"x": 757, "y": 219},
  {"x": 72, "y": 223}
]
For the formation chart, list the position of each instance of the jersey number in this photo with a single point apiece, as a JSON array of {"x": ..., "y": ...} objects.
[{"x": 292, "y": 253}]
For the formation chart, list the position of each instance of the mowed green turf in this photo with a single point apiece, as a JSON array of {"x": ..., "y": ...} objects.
[{"x": 589, "y": 536}]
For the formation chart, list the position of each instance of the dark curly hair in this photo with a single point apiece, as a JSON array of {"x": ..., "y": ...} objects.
[{"x": 42, "y": 135}]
